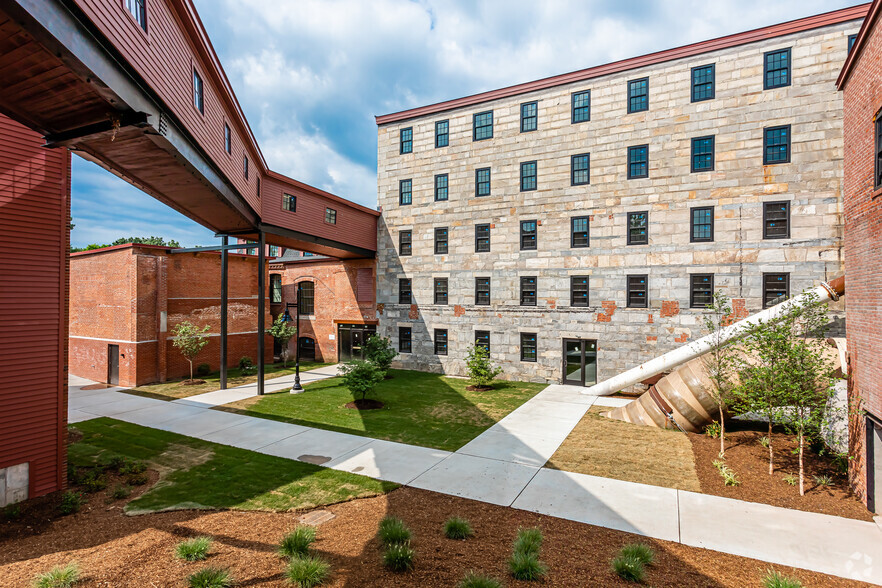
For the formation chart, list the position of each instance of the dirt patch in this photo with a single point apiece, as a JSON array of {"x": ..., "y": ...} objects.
[
  {"x": 365, "y": 404},
  {"x": 749, "y": 459},
  {"x": 107, "y": 545},
  {"x": 479, "y": 388},
  {"x": 96, "y": 387},
  {"x": 193, "y": 382}
]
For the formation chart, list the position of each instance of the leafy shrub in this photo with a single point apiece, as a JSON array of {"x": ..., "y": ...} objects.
[
  {"x": 629, "y": 568},
  {"x": 361, "y": 377},
  {"x": 526, "y": 566},
  {"x": 246, "y": 366},
  {"x": 297, "y": 542},
  {"x": 137, "y": 479},
  {"x": 71, "y": 502},
  {"x": 823, "y": 480},
  {"x": 640, "y": 551},
  {"x": 203, "y": 369},
  {"x": 713, "y": 430},
  {"x": 399, "y": 557},
  {"x": 775, "y": 580},
  {"x": 457, "y": 528},
  {"x": 379, "y": 351},
  {"x": 59, "y": 577},
  {"x": 133, "y": 467},
  {"x": 12, "y": 512},
  {"x": 210, "y": 577},
  {"x": 729, "y": 476},
  {"x": 116, "y": 463},
  {"x": 393, "y": 531},
  {"x": 481, "y": 370},
  {"x": 195, "y": 549},
  {"x": 93, "y": 481},
  {"x": 528, "y": 541},
  {"x": 473, "y": 580},
  {"x": 120, "y": 492},
  {"x": 308, "y": 571},
  {"x": 791, "y": 479}
]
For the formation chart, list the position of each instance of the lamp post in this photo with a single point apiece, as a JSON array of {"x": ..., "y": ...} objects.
[{"x": 296, "y": 388}]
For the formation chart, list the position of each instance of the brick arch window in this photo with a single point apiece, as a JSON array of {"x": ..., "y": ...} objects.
[{"x": 306, "y": 297}]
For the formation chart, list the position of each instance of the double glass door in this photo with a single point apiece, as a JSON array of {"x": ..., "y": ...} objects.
[
  {"x": 579, "y": 362},
  {"x": 352, "y": 339}
]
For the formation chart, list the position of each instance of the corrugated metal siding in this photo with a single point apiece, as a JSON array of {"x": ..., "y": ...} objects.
[{"x": 34, "y": 240}]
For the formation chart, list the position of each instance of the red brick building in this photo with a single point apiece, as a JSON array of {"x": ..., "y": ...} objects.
[
  {"x": 126, "y": 300},
  {"x": 338, "y": 302},
  {"x": 861, "y": 83}
]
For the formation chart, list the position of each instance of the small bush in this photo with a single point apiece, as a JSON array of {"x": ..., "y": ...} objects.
[
  {"x": 398, "y": 557},
  {"x": 116, "y": 463},
  {"x": 306, "y": 572},
  {"x": 71, "y": 502},
  {"x": 137, "y": 479},
  {"x": 120, "y": 492},
  {"x": 823, "y": 480},
  {"x": 526, "y": 566},
  {"x": 246, "y": 366},
  {"x": 203, "y": 369},
  {"x": 195, "y": 549},
  {"x": 481, "y": 370},
  {"x": 93, "y": 481},
  {"x": 473, "y": 580},
  {"x": 210, "y": 577},
  {"x": 629, "y": 568},
  {"x": 71, "y": 474},
  {"x": 729, "y": 476},
  {"x": 12, "y": 512},
  {"x": 764, "y": 441},
  {"x": 457, "y": 528},
  {"x": 775, "y": 580},
  {"x": 640, "y": 551},
  {"x": 528, "y": 541},
  {"x": 393, "y": 531},
  {"x": 297, "y": 542},
  {"x": 713, "y": 430},
  {"x": 59, "y": 577},
  {"x": 133, "y": 467},
  {"x": 790, "y": 479}
]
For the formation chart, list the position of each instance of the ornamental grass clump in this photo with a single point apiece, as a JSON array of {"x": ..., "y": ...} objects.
[
  {"x": 524, "y": 562},
  {"x": 297, "y": 542},
  {"x": 306, "y": 571},
  {"x": 399, "y": 557},
  {"x": 640, "y": 551},
  {"x": 195, "y": 549},
  {"x": 210, "y": 577},
  {"x": 393, "y": 531},
  {"x": 631, "y": 561},
  {"x": 59, "y": 577},
  {"x": 474, "y": 580},
  {"x": 775, "y": 580},
  {"x": 458, "y": 528}
]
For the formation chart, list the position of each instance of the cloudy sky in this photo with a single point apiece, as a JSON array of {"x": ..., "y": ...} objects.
[{"x": 312, "y": 74}]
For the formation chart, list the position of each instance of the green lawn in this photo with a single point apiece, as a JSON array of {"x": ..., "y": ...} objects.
[
  {"x": 420, "y": 408},
  {"x": 175, "y": 389},
  {"x": 199, "y": 474}
]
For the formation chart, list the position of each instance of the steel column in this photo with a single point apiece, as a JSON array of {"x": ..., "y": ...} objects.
[
  {"x": 225, "y": 266},
  {"x": 261, "y": 308}
]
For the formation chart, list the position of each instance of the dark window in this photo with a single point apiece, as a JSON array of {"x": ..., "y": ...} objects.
[
  {"x": 482, "y": 339},
  {"x": 330, "y": 216},
  {"x": 406, "y": 141},
  {"x": 440, "y": 341},
  {"x": 878, "y": 152},
  {"x": 405, "y": 192},
  {"x": 138, "y": 10},
  {"x": 482, "y": 126},
  {"x": 404, "y": 340},
  {"x": 638, "y": 228},
  {"x": 580, "y": 169},
  {"x": 442, "y": 134},
  {"x": 579, "y": 231},
  {"x": 245, "y": 166},
  {"x": 776, "y": 220},
  {"x": 228, "y": 140},
  {"x": 273, "y": 251},
  {"x": 702, "y": 154},
  {"x": 701, "y": 290},
  {"x": 306, "y": 297},
  {"x": 528, "y": 346},
  {"x": 638, "y": 162},
  {"x": 198, "y": 96},
  {"x": 441, "y": 240},
  {"x": 529, "y": 116},
  {"x": 701, "y": 221},
  {"x": 482, "y": 181},
  {"x": 405, "y": 243},
  {"x": 440, "y": 187},
  {"x": 482, "y": 238},
  {"x": 851, "y": 40},
  {"x": 528, "y": 291},
  {"x": 482, "y": 291},
  {"x": 582, "y": 106},
  {"x": 258, "y": 187},
  {"x": 528, "y": 235},
  {"x": 404, "y": 291},
  {"x": 776, "y": 69},
  {"x": 703, "y": 83},
  {"x": 275, "y": 288},
  {"x": 638, "y": 95},
  {"x": 637, "y": 290},
  {"x": 776, "y": 145},
  {"x": 776, "y": 288},
  {"x": 289, "y": 202},
  {"x": 528, "y": 176},
  {"x": 578, "y": 290},
  {"x": 440, "y": 290}
]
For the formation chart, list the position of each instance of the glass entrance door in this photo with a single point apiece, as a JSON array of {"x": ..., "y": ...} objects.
[
  {"x": 351, "y": 340},
  {"x": 579, "y": 362}
]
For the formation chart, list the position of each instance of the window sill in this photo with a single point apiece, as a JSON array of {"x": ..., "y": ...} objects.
[{"x": 876, "y": 193}]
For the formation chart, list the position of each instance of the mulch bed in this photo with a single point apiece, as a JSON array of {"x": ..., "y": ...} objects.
[
  {"x": 479, "y": 388},
  {"x": 120, "y": 551},
  {"x": 193, "y": 382},
  {"x": 365, "y": 404},
  {"x": 750, "y": 461}
]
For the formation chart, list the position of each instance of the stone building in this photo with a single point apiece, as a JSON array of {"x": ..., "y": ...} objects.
[
  {"x": 579, "y": 224},
  {"x": 126, "y": 300}
]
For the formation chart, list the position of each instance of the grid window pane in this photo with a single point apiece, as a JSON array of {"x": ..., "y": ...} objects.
[
  {"x": 482, "y": 238},
  {"x": 306, "y": 297},
  {"x": 638, "y": 228},
  {"x": 138, "y": 10},
  {"x": 482, "y": 291},
  {"x": 637, "y": 292},
  {"x": 228, "y": 141},
  {"x": 582, "y": 106},
  {"x": 405, "y": 192},
  {"x": 331, "y": 216},
  {"x": 289, "y": 202},
  {"x": 776, "y": 288},
  {"x": 580, "y": 169},
  {"x": 405, "y": 343},
  {"x": 702, "y": 154},
  {"x": 638, "y": 95},
  {"x": 701, "y": 291},
  {"x": 482, "y": 181},
  {"x": 440, "y": 187},
  {"x": 529, "y": 116},
  {"x": 776, "y": 145},
  {"x": 440, "y": 290},
  {"x": 406, "y": 140},
  {"x": 579, "y": 231},
  {"x": 198, "y": 98},
  {"x": 702, "y": 83},
  {"x": 441, "y": 240},
  {"x": 440, "y": 341},
  {"x": 404, "y": 291},
  {"x": 528, "y": 235},
  {"x": 777, "y": 69},
  {"x": 776, "y": 220},
  {"x": 702, "y": 224},
  {"x": 528, "y": 291},
  {"x": 405, "y": 243},
  {"x": 638, "y": 161},
  {"x": 579, "y": 291},
  {"x": 528, "y": 346},
  {"x": 482, "y": 125},
  {"x": 528, "y": 176},
  {"x": 275, "y": 288},
  {"x": 482, "y": 339},
  {"x": 442, "y": 133}
]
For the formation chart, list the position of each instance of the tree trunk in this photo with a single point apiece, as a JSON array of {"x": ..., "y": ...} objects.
[
  {"x": 191, "y": 368},
  {"x": 771, "y": 455},
  {"x": 722, "y": 434},
  {"x": 801, "y": 468}
]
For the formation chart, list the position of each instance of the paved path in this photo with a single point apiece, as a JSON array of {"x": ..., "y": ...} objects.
[{"x": 504, "y": 466}]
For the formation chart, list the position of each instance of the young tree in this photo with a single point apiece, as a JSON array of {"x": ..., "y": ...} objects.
[
  {"x": 283, "y": 331},
  {"x": 481, "y": 370},
  {"x": 379, "y": 351},
  {"x": 190, "y": 340},
  {"x": 720, "y": 361},
  {"x": 361, "y": 377}
]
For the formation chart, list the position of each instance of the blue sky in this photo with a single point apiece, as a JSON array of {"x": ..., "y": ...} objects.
[{"x": 312, "y": 74}]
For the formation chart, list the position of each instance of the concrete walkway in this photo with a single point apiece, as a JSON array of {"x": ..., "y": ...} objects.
[{"x": 504, "y": 466}]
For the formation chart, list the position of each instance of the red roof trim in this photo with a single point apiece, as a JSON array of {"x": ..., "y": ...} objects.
[
  {"x": 306, "y": 187},
  {"x": 761, "y": 34},
  {"x": 859, "y": 43}
]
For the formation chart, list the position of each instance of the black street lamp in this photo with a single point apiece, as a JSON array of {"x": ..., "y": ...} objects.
[{"x": 286, "y": 318}]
